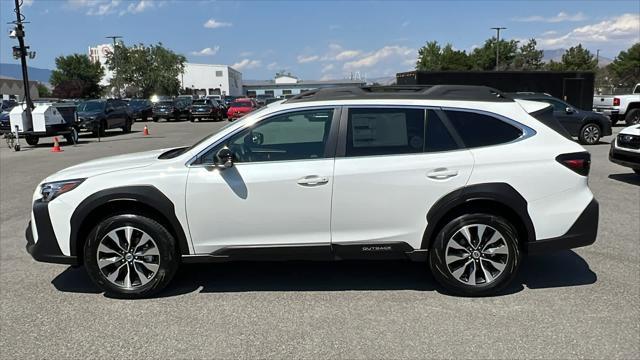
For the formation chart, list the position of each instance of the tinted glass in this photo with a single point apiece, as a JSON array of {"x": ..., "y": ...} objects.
[
  {"x": 292, "y": 136},
  {"x": 482, "y": 130},
  {"x": 91, "y": 106},
  {"x": 385, "y": 132},
  {"x": 201, "y": 102},
  {"x": 557, "y": 105},
  {"x": 438, "y": 137}
]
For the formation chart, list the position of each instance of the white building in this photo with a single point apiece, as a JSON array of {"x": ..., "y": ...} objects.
[
  {"x": 99, "y": 54},
  {"x": 201, "y": 79},
  {"x": 209, "y": 79},
  {"x": 285, "y": 85}
]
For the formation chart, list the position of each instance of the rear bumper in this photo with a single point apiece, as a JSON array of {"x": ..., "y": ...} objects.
[
  {"x": 46, "y": 249},
  {"x": 583, "y": 232},
  {"x": 625, "y": 158}
]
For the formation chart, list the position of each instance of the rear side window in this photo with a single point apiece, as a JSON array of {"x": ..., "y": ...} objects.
[
  {"x": 546, "y": 117},
  {"x": 387, "y": 131},
  {"x": 477, "y": 129}
]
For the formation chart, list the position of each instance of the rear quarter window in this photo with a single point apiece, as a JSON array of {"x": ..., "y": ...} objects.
[{"x": 476, "y": 129}]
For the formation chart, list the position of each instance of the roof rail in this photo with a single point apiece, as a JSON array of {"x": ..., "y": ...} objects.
[{"x": 420, "y": 92}]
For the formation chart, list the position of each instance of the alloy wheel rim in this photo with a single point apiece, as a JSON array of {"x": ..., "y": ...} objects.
[
  {"x": 128, "y": 257},
  {"x": 591, "y": 134},
  {"x": 476, "y": 254}
]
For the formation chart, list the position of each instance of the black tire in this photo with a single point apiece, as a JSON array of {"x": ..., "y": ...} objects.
[
  {"x": 32, "y": 140},
  {"x": 155, "y": 119},
  {"x": 632, "y": 117},
  {"x": 72, "y": 137},
  {"x": 127, "y": 126},
  {"x": 193, "y": 119},
  {"x": 590, "y": 134},
  {"x": 443, "y": 272},
  {"x": 167, "y": 259},
  {"x": 637, "y": 171}
]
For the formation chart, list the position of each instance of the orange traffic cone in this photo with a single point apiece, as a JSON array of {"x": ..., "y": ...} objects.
[
  {"x": 56, "y": 145},
  {"x": 146, "y": 131}
]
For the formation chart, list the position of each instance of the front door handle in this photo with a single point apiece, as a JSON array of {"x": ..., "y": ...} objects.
[
  {"x": 442, "y": 174},
  {"x": 313, "y": 180}
]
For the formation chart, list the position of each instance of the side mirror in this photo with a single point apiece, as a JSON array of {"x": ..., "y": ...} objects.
[
  {"x": 225, "y": 158},
  {"x": 568, "y": 110}
]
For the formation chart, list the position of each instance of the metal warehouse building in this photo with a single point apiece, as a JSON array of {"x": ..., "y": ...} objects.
[
  {"x": 286, "y": 84},
  {"x": 209, "y": 79}
]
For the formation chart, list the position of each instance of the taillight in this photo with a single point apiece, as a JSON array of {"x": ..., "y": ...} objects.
[
  {"x": 579, "y": 162},
  {"x": 616, "y": 101}
]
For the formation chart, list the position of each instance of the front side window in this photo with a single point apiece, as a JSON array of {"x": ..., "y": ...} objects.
[
  {"x": 292, "y": 136},
  {"x": 477, "y": 129},
  {"x": 378, "y": 131}
]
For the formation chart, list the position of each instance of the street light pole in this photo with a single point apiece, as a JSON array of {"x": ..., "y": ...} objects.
[
  {"x": 115, "y": 62},
  {"x": 497, "y": 29},
  {"x": 23, "y": 59}
]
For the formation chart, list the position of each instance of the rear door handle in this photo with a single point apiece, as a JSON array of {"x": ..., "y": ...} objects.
[
  {"x": 442, "y": 174},
  {"x": 313, "y": 180}
]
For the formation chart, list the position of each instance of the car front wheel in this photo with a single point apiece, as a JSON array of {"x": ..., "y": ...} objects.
[
  {"x": 633, "y": 117},
  {"x": 475, "y": 255},
  {"x": 130, "y": 256}
]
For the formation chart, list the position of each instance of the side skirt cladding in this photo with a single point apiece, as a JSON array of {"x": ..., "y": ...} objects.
[
  {"x": 498, "y": 197},
  {"x": 146, "y": 196}
]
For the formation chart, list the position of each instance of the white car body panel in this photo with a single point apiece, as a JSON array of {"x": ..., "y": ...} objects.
[{"x": 259, "y": 203}]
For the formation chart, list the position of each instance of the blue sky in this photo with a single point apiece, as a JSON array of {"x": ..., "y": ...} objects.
[{"x": 315, "y": 39}]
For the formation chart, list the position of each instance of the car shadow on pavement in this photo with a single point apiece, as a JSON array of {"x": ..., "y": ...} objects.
[
  {"x": 562, "y": 269},
  {"x": 629, "y": 178}
]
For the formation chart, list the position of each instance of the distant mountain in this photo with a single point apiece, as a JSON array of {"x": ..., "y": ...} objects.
[
  {"x": 15, "y": 71},
  {"x": 556, "y": 55}
]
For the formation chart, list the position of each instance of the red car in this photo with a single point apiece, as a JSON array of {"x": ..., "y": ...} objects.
[{"x": 240, "y": 107}]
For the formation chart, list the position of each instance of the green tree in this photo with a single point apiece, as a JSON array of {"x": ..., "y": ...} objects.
[
  {"x": 484, "y": 58},
  {"x": 529, "y": 57},
  {"x": 576, "y": 58},
  {"x": 432, "y": 57},
  {"x": 43, "y": 91},
  {"x": 151, "y": 69},
  {"x": 76, "y": 76},
  {"x": 625, "y": 68}
]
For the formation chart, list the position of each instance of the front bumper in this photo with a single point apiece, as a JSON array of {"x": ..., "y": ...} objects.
[
  {"x": 629, "y": 159},
  {"x": 583, "y": 232},
  {"x": 46, "y": 249}
]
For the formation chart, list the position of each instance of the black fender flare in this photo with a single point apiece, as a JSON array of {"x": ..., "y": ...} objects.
[
  {"x": 501, "y": 193},
  {"x": 145, "y": 194}
]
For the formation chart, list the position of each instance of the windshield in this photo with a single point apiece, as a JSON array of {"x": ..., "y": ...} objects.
[
  {"x": 241, "y": 104},
  {"x": 91, "y": 106},
  {"x": 201, "y": 102},
  {"x": 164, "y": 103}
]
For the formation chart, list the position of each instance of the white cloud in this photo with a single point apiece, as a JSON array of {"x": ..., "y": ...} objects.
[
  {"x": 214, "y": 24},
  {"x": 302, "y": 59},
  {"x": 272, "y": 66},
  {"x": 327, "y": 68},
  {"x": 246, "y": 53},
  {"x": 394, "y": 53},
  {"x": 206, "y": 51},
  {"x": 95, "y": 7},
  {"x": 326, "y": 77},
  {"x": 560, "y": 17},
  {"x": 347, "y": 54},
  {"x": 138, "y": 7},
  {"x": 405, "y": 23},
  {"x": 246, "y": 64},
  {"x": 623, "y": 30},
  {"x": 27, "y": 3}
]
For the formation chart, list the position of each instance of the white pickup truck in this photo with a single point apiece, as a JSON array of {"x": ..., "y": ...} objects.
[{"x": 617, "y": 107}]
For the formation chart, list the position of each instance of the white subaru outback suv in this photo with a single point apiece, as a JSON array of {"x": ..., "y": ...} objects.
[{"x": 460, "y": 177}]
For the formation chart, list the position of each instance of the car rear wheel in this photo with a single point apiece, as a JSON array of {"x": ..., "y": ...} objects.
[
  {"x": 32, "y": 140},
  {"x": 72, "y": 136},
  {"x": 590, "y": 134},
  {"x": 130, "y": 256},
  {"x": 475, "y": 255},
  {"x": 127, "y": 126},
  {"x": 633, "y": 117},
  {"x": 637, "y": 171}
]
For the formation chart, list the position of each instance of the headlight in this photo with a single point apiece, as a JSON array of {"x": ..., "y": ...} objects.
[{"x": 52, "y": 190}]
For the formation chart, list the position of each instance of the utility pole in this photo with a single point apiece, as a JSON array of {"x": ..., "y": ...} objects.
[
  {"x": 115, "y": 63},
  {"x": 497, "y": 29},
  {"x": 597, "y": 57},
  {"x": 22, "y": 50}
]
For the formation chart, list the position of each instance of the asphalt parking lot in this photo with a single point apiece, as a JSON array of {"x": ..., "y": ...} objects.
[{"x": 573, "y": 304}]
